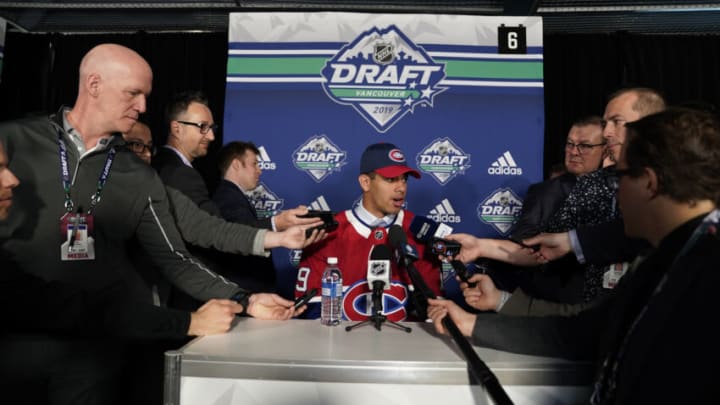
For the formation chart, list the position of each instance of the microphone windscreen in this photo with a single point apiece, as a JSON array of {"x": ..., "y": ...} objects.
[
  {"x": 423, "y": 228},
  {"x": 380, "y": 252},
  {"x": 396, "y": 236}
]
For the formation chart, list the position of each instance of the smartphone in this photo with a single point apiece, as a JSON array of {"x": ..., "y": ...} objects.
[
  {"x": 327, "y": 226},
  {"x": 326, "y": 216},
  {"x": 300, "y": 301}
]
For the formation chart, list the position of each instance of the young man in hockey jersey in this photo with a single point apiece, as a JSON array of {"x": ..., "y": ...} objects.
[{"x": 384, "y": 182}]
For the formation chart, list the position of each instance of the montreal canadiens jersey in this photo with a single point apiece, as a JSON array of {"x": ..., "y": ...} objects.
[{"x": 351, "y": 243}]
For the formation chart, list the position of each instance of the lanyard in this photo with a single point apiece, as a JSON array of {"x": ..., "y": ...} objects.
[
  {"x": 67, "y": 183},
  {"x": 606, "y": 383}
]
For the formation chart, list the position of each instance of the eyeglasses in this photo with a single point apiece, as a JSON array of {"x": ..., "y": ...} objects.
[
  {"x": 139, "y": 147},
  {"x": 204, "y": 126},
  {"x": 582, "y": 148},
  {"x": 617, "y": 122}
]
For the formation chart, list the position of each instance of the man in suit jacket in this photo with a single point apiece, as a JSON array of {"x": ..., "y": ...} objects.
[
  {"x": 562, "y": 281},
  {"x": 648, "y": 337},
  {"x": 191, "y": 129},
  {"x": 238, "y": 163}
]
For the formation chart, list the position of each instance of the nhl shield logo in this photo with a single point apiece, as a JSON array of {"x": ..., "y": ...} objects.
[
  {"x": 383, "y": 75},
  {"x": 383, "y": 54}
]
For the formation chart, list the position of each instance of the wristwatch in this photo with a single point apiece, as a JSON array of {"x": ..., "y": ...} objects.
[{"x": 243, "y": 298}]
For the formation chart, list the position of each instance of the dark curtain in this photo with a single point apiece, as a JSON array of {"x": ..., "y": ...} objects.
[{"x": 40, "y": 74}]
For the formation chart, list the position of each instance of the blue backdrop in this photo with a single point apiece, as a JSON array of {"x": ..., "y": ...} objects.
[{"x": 462, "y": 96}]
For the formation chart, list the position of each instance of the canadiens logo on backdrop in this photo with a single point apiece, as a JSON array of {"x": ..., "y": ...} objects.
[
  {"x": 500, "y": 209},
  {"x": 319, "y": 157},
  {"x": 443, "y": 160},
  {"x": 505, "y": 165},
  {"x": 266, "y": 202},
  {"x": 444, "y": 212},
  {"x": 383, "y": 76},
  {"x": 357, "y": 301},
  {"x": 264, "y": 160}
]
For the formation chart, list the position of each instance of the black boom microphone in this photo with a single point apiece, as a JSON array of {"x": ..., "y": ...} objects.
[{"x": 478, "y": 368}]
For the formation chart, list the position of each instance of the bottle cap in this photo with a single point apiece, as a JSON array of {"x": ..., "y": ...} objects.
[{"x": 332, "y": 260}]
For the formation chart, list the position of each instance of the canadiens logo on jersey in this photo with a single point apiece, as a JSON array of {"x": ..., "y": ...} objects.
[{"x": 357, "y": 302}]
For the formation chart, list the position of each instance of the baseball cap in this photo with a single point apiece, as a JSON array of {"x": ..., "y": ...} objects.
[{"x": 385, "y": 159}]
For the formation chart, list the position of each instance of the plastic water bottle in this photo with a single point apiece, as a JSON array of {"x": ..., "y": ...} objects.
[{"x": 331, "y": 304}]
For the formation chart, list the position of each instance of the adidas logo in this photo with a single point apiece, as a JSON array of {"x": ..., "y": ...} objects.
[
  {"x": 505, "y": 165},
  {"x": 444, "y": 212},
  {"x": 319, "y": 204},
  {"x": 264, "y": 160}
]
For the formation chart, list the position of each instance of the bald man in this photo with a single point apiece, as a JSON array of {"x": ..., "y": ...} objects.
[{"x": 84, "y": 197}]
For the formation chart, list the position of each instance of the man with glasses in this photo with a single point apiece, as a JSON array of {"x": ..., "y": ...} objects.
[
  {"x": 559, "y": 203},
  {"x": 605, "y": 243},
  {"x": 191, "y": 129},
  {"x": 139, "y": 140},
  {"x": 650, "y": 338}
]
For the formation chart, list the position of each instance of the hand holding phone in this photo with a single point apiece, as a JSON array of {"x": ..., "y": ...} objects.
[{"x": 300, "y": 301}]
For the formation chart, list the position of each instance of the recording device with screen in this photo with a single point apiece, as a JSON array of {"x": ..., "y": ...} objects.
[{"x": 328, "y": 217}]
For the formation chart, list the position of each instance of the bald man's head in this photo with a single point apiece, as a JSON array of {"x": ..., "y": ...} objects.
[{"x": 114, "y": 84}]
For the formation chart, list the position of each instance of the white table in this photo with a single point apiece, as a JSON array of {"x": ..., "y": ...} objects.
[{"x": 303, "y": 362}]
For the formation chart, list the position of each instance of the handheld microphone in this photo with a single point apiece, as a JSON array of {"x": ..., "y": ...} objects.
[
  {"x": 430, "y": 233},
  {"x": 462, "y": 272},
  {"x": 404, "y": 254}
]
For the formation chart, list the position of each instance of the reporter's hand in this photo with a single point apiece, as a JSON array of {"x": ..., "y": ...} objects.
[
  {"x": 439, "y": 309},
  {"x": 293, "y": 238},
  {"x": 271, "y": 307},
  {"x": 471, "y": 248},
  {"x": 552, "y": 245},
  {"x": 287, "y": 218},
  {"x": 485, "y": 296},
  {"x": 214, "y": 317}
]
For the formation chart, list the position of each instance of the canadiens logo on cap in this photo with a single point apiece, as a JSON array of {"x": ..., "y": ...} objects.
[
  {"x": 396, "y": 156},
  {"x": 387, "y": 160}
]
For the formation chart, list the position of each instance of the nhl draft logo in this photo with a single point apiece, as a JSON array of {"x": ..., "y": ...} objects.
[
  {"x": 319, "y": 157},
  {"x": 266, "y": 202},
  {"x": 383, "y": 76},
  {"x": 500, "y": 209},
  {"x": 443, "y": 160}
]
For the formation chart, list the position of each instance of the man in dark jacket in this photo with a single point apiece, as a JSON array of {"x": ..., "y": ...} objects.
[
  {"x": 83, "y": 197},
  {"x": 647, "y": 338}
]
